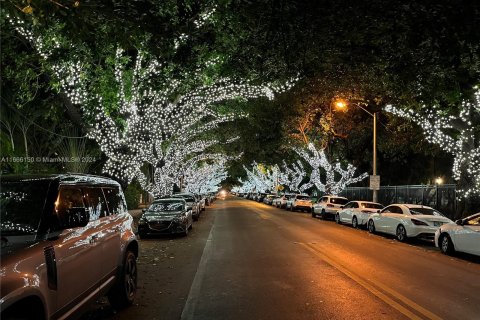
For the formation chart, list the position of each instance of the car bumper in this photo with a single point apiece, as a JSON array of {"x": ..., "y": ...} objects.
[
  {"x": 170, "y": 227},
  {"x": 422, "y": 232}
]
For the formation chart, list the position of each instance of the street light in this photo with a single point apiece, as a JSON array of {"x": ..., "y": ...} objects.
[{"x": 374, "y": 179}]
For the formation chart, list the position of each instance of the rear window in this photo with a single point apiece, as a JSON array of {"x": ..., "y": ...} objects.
[
  {"x": 115, "y": 200},
  {"x": 303, "y": 197},
  {"x": 21, "y": 206},
  {"x": 372, "y": 206},
  {"x": 425, "y": 211},
  {"x": 338, "y": 200}
]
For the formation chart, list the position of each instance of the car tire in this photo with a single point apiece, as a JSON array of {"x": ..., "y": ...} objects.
[
  {"x": 195, "y": 218},
  {"x": 122, "y": 294},
  {"x": 371, "y": 226},
  {"x": 185, "y": 233},
  {"x": 446, "y": 244},
  {"x": 337, "y": 218},
  {"x": 354, "y": 222},
  {"x": 401, "y": 233},
  {"x": 314, "y": 215},
  {"x": 323, "y": 216}
]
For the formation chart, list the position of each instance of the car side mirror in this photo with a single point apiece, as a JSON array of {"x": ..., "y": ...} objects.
[
  {"x": 379, "y": 211},
  {"x": 77, "y": 217},
  {"x": 459, "y": 222}
]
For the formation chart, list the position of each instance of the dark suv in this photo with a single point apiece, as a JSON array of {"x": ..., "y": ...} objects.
[{"x": 66, "y": 240}]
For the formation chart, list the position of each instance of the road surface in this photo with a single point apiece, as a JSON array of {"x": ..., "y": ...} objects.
[{"x": 247, "y": 260}]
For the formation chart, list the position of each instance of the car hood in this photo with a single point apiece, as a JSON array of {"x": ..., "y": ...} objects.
[{"x": 149, "y": 215}]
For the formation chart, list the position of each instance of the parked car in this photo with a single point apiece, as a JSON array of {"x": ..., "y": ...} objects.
[
  {"x": 66, "y": 240},
  {"x": 192, "y": 203},
  {"x": 301, "y": 202},
  {"x": 282, "y": 203},
  {"x": 289, "y": 201},
  {"x": 201, "y": 201},
  {"x": 276, "y": 201},
  {"x": 357, "y": 213},
  {"x": 261, "y": 196},
  {"x": 463, "y": 236},
  {"x": 166, "y": 216},
  {"x": 268, "y": 199},
  {"x": 328, "y": 206},
  {"x": 407, "y": 221}
]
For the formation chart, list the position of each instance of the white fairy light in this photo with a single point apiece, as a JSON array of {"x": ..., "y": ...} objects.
[
  {"x": 319, "y": 164},
  {"x": 456, "y": 135},
  {"x": 151, "y": 110}
]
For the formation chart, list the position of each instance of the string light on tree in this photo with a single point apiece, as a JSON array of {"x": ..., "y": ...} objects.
[
  {"x": 319, "y": 164},
  {"x": 457, "y": 135}
]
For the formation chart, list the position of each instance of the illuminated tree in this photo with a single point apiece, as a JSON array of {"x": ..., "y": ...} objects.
[
  {"x": 293, "y": 176},
  {"x": 261, "y": 178},
  {"x": 457, "y": 135},
  {"x": 153, "y": 109},
  {"x": 336, "y": 178},
  {"x": 206, "y": 177}
]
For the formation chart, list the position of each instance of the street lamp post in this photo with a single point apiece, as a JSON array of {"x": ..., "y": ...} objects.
[{"x": 376, "y": 185}]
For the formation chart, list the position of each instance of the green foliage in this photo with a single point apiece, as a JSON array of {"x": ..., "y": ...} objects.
[{"x": 132, "y": 195}]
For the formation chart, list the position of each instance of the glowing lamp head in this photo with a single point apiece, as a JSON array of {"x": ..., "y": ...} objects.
[
  {"x": 439, "y": 180},
  {"x": 340, "y": 104}
]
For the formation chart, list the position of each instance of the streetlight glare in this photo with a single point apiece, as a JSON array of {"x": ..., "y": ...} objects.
[
  {"x": 340, "y": 104},
  {"x": 439, "y": 180}
]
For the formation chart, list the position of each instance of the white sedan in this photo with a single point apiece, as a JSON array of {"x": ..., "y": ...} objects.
[
  {"x": 357, "y": 213},
  {"x": 463, "y": 235},
  {"x": 407, "y": 221}
]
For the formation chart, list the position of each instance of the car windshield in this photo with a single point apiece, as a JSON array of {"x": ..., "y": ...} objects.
[
  {"x": 21, "y": 206},
  {"x": 166, "y": 206},
  {"x": 425, "y": 211},
  {"x": 371, "y": 205},
  {"x": 303, "y": 197},
  {"x": 187, "y": 198},
  {"x": 338, "y": 200}
]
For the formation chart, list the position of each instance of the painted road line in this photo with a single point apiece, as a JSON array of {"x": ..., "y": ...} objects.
[
  {"x": 195, "y": 290},
  {"x": 378, "y": 289}
]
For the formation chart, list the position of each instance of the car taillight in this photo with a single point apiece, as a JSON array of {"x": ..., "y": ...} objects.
[
  {"x": 419, "y": 223},
  {"x": 330, "y": 205}
]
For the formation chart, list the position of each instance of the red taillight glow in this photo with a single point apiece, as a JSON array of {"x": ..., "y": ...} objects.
[{"x": 419, "y": 223}]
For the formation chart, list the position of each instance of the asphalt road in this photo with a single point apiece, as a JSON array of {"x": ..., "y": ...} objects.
[{"x": 246, "y": 260}]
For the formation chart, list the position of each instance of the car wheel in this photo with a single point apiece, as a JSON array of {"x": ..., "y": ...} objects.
[
  {"x": 314, "y": 215},
  {"x": 185, "y": 233},
  {"x": 401, "y": 233},
  {"x": 123, "y": 292},
  {"x": 195, "y": 218},
  {"x": 337, "y": 218},
  {"x": 355, "y": 222},
  {"x": 323, "y": 216},
  {"x": 446, "y": 244},
  {"x": 371, "y": 226}
]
